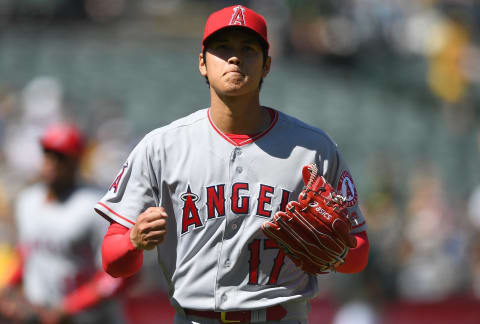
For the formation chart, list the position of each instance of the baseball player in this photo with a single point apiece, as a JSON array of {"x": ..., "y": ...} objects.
[
  {"x": 58, "y": 237},
  {"x": 205, "y": 184}
]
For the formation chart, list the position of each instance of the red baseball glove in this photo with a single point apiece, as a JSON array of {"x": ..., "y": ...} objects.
[{"x": 315, "y": 230}]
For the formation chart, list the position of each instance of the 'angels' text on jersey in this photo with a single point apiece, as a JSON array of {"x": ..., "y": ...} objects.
[{"x": 239, "y": 199}]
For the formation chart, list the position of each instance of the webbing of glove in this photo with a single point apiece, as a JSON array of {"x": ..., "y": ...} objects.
[{"x": 320, "y": 199}]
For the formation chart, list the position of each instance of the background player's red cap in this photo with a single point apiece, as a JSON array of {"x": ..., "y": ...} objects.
[
  {"x": 236, "y": 16},
  {"x": 63, "y": 138}
]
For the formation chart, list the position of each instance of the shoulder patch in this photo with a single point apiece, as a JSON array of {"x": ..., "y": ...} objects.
[
  {"x": 346, "y": 188},
  {"x": 116, "y": 182}
]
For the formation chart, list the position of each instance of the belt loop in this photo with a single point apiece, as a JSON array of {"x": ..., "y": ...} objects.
[
  {"x": 259, "y": 315},
  {"x": 223, "y": 318}
]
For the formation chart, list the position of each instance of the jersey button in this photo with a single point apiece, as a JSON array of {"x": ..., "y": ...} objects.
[
  {"x": 227, "y": 263},
  {"x": 224, "y": 298},
  {"x": 234, "y": 226},
  {"x": 239, "y": 169},
  {"x": 239, "y": 152}
]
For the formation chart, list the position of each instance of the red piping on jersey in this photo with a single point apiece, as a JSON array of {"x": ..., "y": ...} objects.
[
  {"x": 116, "y": 214},
  {"x": 250, "y": 139}
]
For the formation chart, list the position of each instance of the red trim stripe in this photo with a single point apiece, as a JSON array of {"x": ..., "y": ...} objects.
[
  {"x": 357, "y": 226},
  {"x": 249, "y": 140},
  {"x": 116, "y": 214},
  {"x": 225, "y": 137}
]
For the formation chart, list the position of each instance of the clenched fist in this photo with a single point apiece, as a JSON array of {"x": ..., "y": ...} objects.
[{"x": 150, "y": 228}]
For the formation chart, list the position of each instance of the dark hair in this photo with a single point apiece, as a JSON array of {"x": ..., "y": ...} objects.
[{"x": 264, "y": 52}]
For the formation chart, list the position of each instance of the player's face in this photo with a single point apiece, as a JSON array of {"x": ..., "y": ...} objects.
[
  {"x": 57, "y": 168},
  {"x": 234, "y": 62}
]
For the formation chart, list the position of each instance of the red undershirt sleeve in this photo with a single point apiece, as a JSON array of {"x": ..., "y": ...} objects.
[
  {"x": 100, "y": 287},
  {"x": 120, "y": 259},
  {"x": 357, "y": 258},
  {"x": 119, "y": 256}
]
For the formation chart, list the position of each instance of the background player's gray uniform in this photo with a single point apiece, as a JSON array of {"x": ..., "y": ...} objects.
[
  {"x": 217, "y": 195},
  {"x": 60, "y": 245}
]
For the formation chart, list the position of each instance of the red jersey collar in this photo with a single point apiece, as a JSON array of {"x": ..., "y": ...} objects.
[{"x": 243, "y": 139}]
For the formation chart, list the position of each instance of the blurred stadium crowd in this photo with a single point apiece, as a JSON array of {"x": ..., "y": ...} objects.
[{"x": 395, "y": 82}]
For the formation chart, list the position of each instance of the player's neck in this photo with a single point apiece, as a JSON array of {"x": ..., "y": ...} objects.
[
  {"x": 239, "y": 115},
  {"x": 60, "y": 191}
]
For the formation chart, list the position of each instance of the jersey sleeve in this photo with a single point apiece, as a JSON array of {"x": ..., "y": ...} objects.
[
  {"x": 99, "y": 229},
  {"x": 341, "y": 179},
  {"x": 133, "y": 190}
]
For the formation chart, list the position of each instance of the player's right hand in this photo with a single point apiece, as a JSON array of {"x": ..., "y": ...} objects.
[{"x": 150, "y": 228}]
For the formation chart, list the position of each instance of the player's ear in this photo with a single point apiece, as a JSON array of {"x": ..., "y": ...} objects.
[
  {"x": 202, "y": 67},
  {"x": 266, "y": 66}
]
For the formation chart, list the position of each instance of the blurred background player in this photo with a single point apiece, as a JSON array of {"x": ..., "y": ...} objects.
[{"x": 58, "y": 279}]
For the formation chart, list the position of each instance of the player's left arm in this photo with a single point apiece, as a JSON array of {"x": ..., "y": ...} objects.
[
  {"x": 357, "y": 258},
  {"x": 100, "y": 287}
]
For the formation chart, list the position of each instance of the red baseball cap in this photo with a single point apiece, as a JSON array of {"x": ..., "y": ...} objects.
[
  {"x": 64, "y": 138},
  {"x": 236, "y": 16}
]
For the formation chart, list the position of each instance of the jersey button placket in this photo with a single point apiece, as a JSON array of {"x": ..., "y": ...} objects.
[
  {"x": 231, "y": 227},
  {"x": 236, "y": 162}
]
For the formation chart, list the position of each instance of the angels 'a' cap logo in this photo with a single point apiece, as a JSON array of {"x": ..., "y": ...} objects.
[
  {"x": 346, "y": 188},
  {"x": 236, "y": 16}
]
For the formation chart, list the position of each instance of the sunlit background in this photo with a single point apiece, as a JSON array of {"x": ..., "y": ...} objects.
[{"x": 396, "y": 83}]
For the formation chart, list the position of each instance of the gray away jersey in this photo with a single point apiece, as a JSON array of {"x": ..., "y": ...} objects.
[
  {"x": 217, "y": 195},
  {"x": 60, "y": 242}
]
